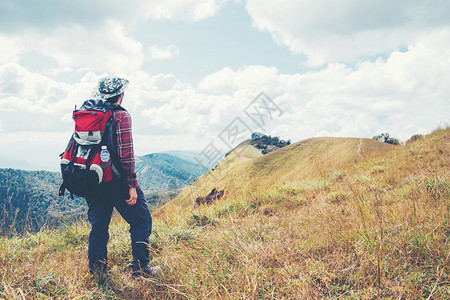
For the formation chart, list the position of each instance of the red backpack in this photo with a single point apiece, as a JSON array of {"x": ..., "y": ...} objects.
[{"x": 90, "y": 156}]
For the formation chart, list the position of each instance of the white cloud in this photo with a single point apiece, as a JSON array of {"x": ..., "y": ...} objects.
[
  {"x": 247, "y": 77},
  {"x": 9, "y": 50},
  {"x": 31, "y": 16},
  {"x": 66, "y": 40},
  {"x": 181, "y": 111},
  {"x": 28, "y": 92},
  {"x": 346, "y": 30},
  {"x": 76, "y": 49},
  {"x": 106, "y": 49},
  {"x": 187, "y": 10},
  {"x": 158, "y": 53},
  {"x": 404, "y": 94},
  {"x": 21, "y": 90}
]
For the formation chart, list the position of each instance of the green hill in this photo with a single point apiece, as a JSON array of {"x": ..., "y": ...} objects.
[{"x": 334, "y": 218}]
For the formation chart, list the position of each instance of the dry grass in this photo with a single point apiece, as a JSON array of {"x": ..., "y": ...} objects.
[
  {"x": 245, "y": 171},
  {"x": 349, "y": 226}
]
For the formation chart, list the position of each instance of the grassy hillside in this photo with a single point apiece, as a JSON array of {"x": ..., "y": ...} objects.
[
  {"x": 323, "y": 218},
  {"x": 246, "y": 170},
  {"x": 225, "y": 169}
]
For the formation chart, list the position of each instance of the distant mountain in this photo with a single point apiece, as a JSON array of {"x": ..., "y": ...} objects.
[
  {"x": 6, "y": 162},
  {"x": 161, "y": 171},
  {"x": 190, "y": 156},
  {"x": 29, "y": 199}
]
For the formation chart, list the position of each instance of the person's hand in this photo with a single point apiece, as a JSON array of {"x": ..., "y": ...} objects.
[{"x": 133, "y": 197}]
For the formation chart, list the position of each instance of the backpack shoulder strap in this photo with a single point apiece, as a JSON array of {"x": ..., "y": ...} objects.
[{"x": 110, "y": 142}]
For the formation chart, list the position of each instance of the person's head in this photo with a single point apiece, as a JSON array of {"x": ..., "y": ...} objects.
[
  {"x": 116, "y": 99},
  {"x": 111, "y": 88}
]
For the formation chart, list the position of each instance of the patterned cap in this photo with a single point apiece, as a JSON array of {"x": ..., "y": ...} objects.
[{"x": 110, "y": 86}]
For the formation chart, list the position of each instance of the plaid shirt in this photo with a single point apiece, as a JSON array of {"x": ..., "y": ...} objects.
[{"x": 122, "y": 123}]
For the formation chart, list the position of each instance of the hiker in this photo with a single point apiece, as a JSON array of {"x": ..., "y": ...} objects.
[{"x": 122, "y": 193}]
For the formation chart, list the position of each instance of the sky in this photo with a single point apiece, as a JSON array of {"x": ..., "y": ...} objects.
[{"x": 204, "y": 74}]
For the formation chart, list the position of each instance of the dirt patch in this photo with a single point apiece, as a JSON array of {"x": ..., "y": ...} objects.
[{"x": 210, "y": 198}]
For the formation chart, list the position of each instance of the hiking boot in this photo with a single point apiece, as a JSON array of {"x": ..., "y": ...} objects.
[
  {"x": 100, "y": 277},
  {"x": 98, "y": 272},
  {"x": 147, "y": 271}
]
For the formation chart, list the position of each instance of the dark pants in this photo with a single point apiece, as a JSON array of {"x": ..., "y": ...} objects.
[{"x": 113, "y": 194}]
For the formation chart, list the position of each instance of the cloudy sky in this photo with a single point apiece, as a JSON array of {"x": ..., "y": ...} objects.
[{"x": 198, "y": 67}]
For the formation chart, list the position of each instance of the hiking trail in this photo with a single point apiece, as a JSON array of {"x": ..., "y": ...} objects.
[{"x": 359, "y": 151}]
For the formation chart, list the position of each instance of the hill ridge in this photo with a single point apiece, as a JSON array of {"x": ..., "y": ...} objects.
[{"x": 291, "y": 163}]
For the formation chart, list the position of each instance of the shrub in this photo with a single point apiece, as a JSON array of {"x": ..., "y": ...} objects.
[
  {"x": 415, "y": 137},
  {"x": 267, "y": 144},
  {"x": 386, "y": 138}
]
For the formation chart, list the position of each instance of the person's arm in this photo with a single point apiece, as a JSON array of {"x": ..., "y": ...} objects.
[{"x": 126, "y": 152}]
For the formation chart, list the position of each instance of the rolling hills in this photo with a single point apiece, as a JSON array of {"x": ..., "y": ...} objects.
[{"x": 335, "y": 218}]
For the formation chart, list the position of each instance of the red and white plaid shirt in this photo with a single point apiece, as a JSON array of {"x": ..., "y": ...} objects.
[{"x": 122, "y": 123}]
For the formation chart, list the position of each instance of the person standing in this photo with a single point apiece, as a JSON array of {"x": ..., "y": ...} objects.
[{"x": 124, "y": 193}]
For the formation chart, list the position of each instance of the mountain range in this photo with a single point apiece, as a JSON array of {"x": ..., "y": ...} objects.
[
  {"x": 162, "y": 171},
  {"x": 28, "y": 199}
]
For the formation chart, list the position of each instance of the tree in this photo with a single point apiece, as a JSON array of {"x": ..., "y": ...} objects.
[
  {"x": 386, "y": 138},
  {"x": 267, "y": 143}
]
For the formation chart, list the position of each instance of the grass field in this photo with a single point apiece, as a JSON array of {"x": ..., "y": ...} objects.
[{"x": 336, "y": 218}]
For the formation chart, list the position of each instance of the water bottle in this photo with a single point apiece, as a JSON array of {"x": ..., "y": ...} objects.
[{"x": 104, "y": 154}]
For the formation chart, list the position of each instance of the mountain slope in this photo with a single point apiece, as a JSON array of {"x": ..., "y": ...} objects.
[
  {"x": 373, "y": 225},
  {"x": 246, "y": 170},
  {"x": 190, "y": 156},
  {"x": 161, "y": 171},
  {"x": 29, "y": 200},
  {"x": 324, "y": 218}
]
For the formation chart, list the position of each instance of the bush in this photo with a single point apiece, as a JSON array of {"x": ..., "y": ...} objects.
[
  {"x": 267, "y": 144},
  {"x": 415, "y": 137},
  {"x": 386, "y": 138}
]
